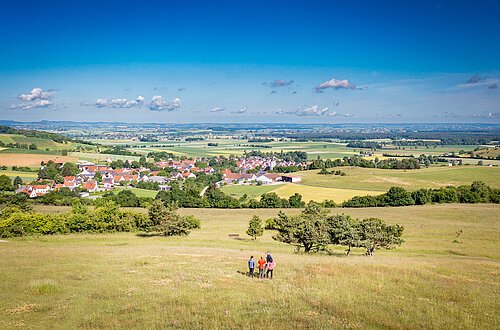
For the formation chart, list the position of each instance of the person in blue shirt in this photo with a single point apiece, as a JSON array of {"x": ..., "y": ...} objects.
[
  {"x": 251, "y": 266},
  {"x": 269, "y": 257}
]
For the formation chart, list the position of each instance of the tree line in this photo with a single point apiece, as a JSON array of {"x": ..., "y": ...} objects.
[
  {"x": 20, "y": 220},
  {"x": 358, "y": 161},
  {"x": 477, "y": 192}
]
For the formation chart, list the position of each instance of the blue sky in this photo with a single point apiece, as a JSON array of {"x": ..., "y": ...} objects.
[{"x": 259, "y": 61}]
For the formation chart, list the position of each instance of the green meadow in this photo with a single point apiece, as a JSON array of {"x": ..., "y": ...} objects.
[
  {"x": 126, "y": 281},
  {"x": 26, "y": 176},
  {"x": 382, "y": 179},
  {"x": 138, "y": 192},
  {"x": 371, "y": 181}
]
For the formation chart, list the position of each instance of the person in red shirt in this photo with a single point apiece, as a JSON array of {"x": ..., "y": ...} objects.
[{"x": 262, "y": 266}]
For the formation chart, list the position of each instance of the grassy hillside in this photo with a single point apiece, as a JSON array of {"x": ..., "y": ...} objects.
[
  {"x": 126, "y": 281},
  {"x": 49, "y": 147}
]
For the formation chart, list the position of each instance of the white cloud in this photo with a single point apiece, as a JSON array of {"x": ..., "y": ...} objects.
[
  {"x": 486, "y": 114},
  {"x": 336, "y": 84},
  {"x": 314, "y": 110},
  {"x": 242, "y": 110},
  {"x": 218, "y": 109},
  {"x": 124, "y": 103},
  {"x": 32, "y": 105},
  {"x": 116, "y": 103},
  {"x": 36, "y": 98},
  {"x": 101, "y": 103},
  {"x": 158, "y": 104},
  {"x": 36, "y": 94}
]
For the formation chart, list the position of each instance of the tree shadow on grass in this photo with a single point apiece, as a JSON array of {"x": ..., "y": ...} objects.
[
  {"x": 243, "y": 239},
  {"x": 149, "y": 234}
]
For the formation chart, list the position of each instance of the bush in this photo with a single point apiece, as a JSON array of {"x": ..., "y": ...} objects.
[
  {"x": 194, "y": 223},
  {"x": 271, "y": 224},
  {"x": 15, "y": 221}
]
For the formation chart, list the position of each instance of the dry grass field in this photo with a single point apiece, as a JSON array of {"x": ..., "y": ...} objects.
[
  {"x": 31, "y": 160},
  {"x": 126, "y": 281}
]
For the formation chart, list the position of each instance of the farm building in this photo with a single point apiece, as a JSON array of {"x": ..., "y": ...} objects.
[{"x": 291, "y": 178}]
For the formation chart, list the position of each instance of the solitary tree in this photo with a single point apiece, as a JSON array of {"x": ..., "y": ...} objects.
[
  {"x": 255, "y": 228},
  {"x": 167, "y": 221}
]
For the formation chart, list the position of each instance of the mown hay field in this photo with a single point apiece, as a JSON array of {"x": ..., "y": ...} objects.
[{"x": 31, "y": 159}]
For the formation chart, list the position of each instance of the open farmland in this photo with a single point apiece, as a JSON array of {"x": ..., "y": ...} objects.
[
  {"x": 430, "y": 282},
  {"x": 381, "y": 179},
  {"x": 26, "y": 176},
  {"x": 41, "y": 143},
  {"x": 31, "y": 159},
  {"x": 370, "y": 181}
]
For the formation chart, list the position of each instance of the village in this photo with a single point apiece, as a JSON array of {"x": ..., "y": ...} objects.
[{"x": 92, "y": 178}]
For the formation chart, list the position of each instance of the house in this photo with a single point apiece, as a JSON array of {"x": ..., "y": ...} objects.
[
  {"x": 177, "y": 176},
  {"x": 291, "y": 178},
  {"x": 108, "y": 182},
  {"x": 158, "y": 179},
  {"x": 239, "y": 178},
  {"x": 187, "y": 175},
  {"x": 86, "y": 174},
  {"x": 35, "y": 190},
  {"x": 90, "y": 186}
]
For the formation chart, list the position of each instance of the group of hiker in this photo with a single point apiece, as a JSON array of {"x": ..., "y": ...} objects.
[{"x": 266, "y": 266}]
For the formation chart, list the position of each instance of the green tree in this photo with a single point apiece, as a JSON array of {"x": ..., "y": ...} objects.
[
  {"x": 398, "y": 196},
  {"x": 98, "y": 177},
  {"x": 255, "y": 228},
  {"x": 375, "y": 233},
  {"x": 344, "y": 230},
  {"x": 482, "y": 190},
  {"x": 69, "y": 169},
  {"x": 5, "y": 183},
  {"x": 308, "y": 230},
  {"x": 17, "y": 182},
  {"x": 127, "y": 198},
  {"x": 58, "y": 178},
  {"x": 167, "y": 221},
  {"x": 296, "y": 200},
  {"x": 270, "y": 200}
]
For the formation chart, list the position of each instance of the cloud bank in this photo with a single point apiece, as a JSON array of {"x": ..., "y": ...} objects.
[{"x": 313, "y": 110}]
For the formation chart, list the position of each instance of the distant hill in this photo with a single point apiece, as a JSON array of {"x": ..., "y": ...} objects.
[{"x": 40, "y": 135}]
